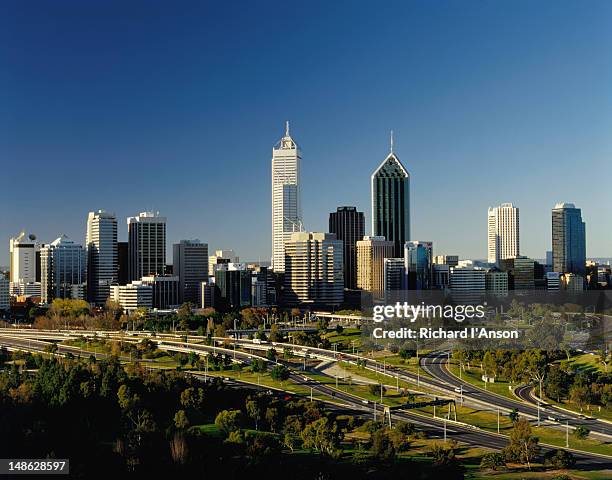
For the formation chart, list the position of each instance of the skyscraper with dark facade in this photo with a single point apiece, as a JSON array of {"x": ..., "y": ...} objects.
[
  {"x": 349, "y": 226},
  {"x": 190, "y": 263},
  {"x": 568, "y": 239},
  {"x": 390, "y": 188},
  {"x": 146, "y": 245}
]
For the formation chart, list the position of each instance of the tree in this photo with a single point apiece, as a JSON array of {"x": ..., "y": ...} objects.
[
  {"x": 382, "y": 448},
  {"x": 272, "y": 417},
  {"x": 228, "y": 420},
  {"x": 271, "y": 354},
  {"x": 492, "y": 461},
  {"x": 192, "y": 398},
  {"x": 514, "y": 415},
  {"x": 581, "y": 432},
  {"x": 254, "y": 411},
  {"x": 559, "y": 459},
  {"x": 442, "y": 456},
  {"x": 181, "y": 422},
  {"x": 523, "y": 445},
  {"x": 556, "y": 384},
  {"x": 280, "y": 373},
  {"x": 322, "y": 436},
  {"x": 184, "y": 314}
]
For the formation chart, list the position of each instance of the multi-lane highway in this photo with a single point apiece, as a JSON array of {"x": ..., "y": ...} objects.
[
  {"x": 435, "y": 427},
  {"x": 436, "y": 366}
]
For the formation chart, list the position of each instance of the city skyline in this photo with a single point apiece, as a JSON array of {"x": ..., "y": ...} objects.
[{"x": 528, "y": 102}]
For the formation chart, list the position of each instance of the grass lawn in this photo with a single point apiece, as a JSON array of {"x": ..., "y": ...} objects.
[
  {"x": 345, "y": 338},
  {"x": 586, "y": 362},
  {"x": 379, "y": 377},
  {"x": 473, "y": 376}
]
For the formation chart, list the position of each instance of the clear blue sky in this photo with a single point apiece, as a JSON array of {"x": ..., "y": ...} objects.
[{"x": 175, "y": 106}]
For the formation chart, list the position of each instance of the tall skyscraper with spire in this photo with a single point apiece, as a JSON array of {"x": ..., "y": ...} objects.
[
  {"x": 391, "y": 202},
  {"x": 286, "y": 204}
]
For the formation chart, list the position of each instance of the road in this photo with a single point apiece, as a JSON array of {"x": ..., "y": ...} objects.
[
  {"x": 434, "y": 427},
  {"x": 435, "y": 365}
]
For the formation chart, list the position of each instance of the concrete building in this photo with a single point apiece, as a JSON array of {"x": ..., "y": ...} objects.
[
  {"x": 132, "y": 296},
  {"x": 349, "y": 226},
  {"x": 568, "y": 239},
  {"x": 62, "y": 264},
  {"x": 207, "y": 294},
  {"x": 496, "y": 282},
  {"x": 286, "y": 197},
  {"x": 27, "y": 290},
  {"x": 24, "y": 253},
  {"x": 5, "y": 303},
  {"x": 102, "y": 256},
  {"x": 468, "y": 284},
  {"x": 390, "y": 190},
  {"x": 394, "y": 272},
  {"x": 441, "y": 275},
  {"x": 521, "y": 272},
  {"x": 503, "y": 233},
  {"x": 313, "y": 269},
  {"x": 418, "y": 257},
  {"x": 553, "y": 281},
  {"x": 219, "y": 258},
  {"x": 190, "y": 263},
  {"x": 450, "y": 260},
  {"x": 146, "y": 245},
  {"x": 371, "y": 254},
  {"x": 232, "y": 286},
  {"x": 165, "y": 293},
  {"x": 572, "y": 282},
  {"x": 123, "y": 261}
]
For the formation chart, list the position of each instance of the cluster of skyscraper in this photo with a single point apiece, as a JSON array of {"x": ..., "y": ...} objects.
[
  {"x": 315, "y": 265},
  {"x": 307, "y": 268}
]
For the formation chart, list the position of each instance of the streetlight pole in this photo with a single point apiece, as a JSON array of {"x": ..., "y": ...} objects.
[{"x": 497, "y": 419}]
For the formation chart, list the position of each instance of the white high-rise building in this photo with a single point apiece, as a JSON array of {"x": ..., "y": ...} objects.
[
  {"x": 132, "y": 296},
  {"x": 101, "y": 245},
  {"x": 286, "y": 205},
  {"x": 23, "y": 250},
  {"x": 503, "y": 233}
]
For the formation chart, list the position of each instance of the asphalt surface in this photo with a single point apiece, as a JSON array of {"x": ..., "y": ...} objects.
[
  {"x": 435, "y": 365},
  {"x": 433, "y": 427}
]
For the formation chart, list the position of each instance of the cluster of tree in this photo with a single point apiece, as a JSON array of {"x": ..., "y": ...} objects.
[
  {"x": 69, "y": 313},
  {"x": 558, "y": 380}
]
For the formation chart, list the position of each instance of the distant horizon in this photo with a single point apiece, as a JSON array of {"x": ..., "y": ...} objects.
[{"x": 127, "y": 109}]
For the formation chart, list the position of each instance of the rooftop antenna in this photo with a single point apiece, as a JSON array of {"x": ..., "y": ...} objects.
[
  {"x": 391, "y": 141},
  {"x": 287, "y": 128}
]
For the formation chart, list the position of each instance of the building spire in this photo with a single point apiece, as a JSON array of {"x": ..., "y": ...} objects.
[
  {"x": 287, "y": 128},
  {"x": 391, "y": 138}
]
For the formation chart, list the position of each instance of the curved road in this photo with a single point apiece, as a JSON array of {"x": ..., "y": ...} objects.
[
  {"x": 434, "y": 427},
  {"x": 435, "y": 365}
]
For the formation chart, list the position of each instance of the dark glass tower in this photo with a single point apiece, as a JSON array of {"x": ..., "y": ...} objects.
[
  {"x": 391, "y": 202},
  {"x": 349, "y": 226},
  {"x": 568, "y": 239}
]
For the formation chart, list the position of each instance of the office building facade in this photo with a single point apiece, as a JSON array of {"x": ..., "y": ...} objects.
[
  {"x": 286, "y": 201},
  {"x": 190, "y": 264},
  {"x": 371, "y": 254},
  {"x": 390, "y": 197},
  {"x": 102, "y": 255},
  {"x": 146, "y": 245},
  {"x": 418, "y": 256},
  {"x": 313, "y": 269},
  {"x": 503, "y": 233},
  {"x": 24, "y": 253},
  {"x": 63, "y": 270},
  {"x": 568, "y": 239},
  {"x": 349, "y": 226}
]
